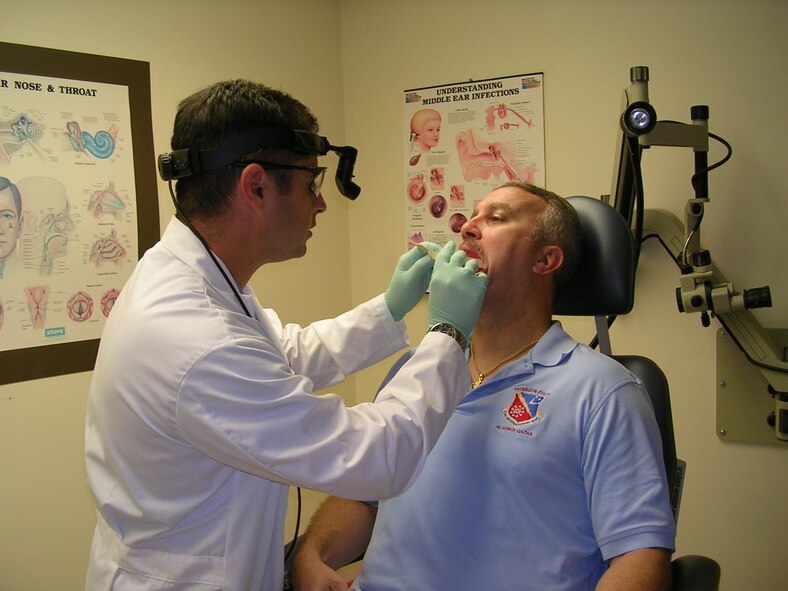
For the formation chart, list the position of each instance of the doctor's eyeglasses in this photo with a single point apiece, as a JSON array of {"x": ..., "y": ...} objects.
[{"x": 319, "y": 172}]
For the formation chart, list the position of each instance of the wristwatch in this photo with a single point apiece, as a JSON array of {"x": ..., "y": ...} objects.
[{"x": 448, "y": 329}]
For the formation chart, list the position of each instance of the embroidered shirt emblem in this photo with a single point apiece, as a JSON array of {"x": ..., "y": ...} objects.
[{"x": 524, "y": 409}]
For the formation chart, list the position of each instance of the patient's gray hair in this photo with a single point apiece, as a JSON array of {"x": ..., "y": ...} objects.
[{"x": 558, "y": 224}]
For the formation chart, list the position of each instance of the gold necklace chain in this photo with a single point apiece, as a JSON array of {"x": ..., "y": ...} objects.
[{"x": 484, "y": 374}]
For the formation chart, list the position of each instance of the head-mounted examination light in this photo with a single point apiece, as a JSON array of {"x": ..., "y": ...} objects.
[{"x": 188, "y": 161}]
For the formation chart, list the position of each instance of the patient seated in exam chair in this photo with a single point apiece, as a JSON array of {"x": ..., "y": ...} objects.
[{"x": 549, "y": 474}]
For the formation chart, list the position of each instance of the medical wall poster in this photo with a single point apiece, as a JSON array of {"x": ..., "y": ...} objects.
[
  {"x": 461, "y": 141},
  {"x": 78, "y": 202}
]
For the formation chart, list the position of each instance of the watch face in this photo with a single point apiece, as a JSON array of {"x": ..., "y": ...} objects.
[{"x": 452, "y": 332}]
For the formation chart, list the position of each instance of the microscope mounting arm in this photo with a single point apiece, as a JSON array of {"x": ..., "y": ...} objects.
[{"x": 703, "y": 288}]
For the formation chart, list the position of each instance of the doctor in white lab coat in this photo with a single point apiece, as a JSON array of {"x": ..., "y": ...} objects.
[{"x": 202, "y": 409}]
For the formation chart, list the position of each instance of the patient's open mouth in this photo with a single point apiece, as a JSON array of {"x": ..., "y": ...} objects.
[{"x": 473, "y": 253}]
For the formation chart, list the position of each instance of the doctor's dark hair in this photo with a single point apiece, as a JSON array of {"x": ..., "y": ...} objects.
[
  {"x": 558, "y": 224},
  {"x": 7, "y": 184},
  {"x": 210, "y": 116}
]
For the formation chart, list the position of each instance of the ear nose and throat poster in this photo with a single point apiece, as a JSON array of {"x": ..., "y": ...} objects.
[
  {"x": 78, "y": 202},
  {"x": 461, "y": 141},
  {"x": 65, "y": 152}
]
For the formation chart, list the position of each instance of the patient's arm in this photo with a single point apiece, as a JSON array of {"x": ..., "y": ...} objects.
[
  {"x": 647, "y": 569},
  {"x": 338, "y": 534}
]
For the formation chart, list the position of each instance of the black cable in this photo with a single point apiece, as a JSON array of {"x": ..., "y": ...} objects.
[
  {"x": 716, "y": 164},
  {"x": 634, "y": 159},
  {"x": 297, "y": 526},
  {"x": 743, "y": 350},
  {"x": 662, "y": 243},
  {"x": 185, "y": 220}
]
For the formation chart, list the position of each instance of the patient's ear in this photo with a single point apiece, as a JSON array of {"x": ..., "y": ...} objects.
[{"x": 550, "y": 259}]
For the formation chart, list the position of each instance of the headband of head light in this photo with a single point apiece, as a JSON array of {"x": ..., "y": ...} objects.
[{"x": 188, "y": 161}]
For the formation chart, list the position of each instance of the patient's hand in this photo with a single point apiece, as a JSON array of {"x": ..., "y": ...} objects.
[{"x": 312, "y": 574}]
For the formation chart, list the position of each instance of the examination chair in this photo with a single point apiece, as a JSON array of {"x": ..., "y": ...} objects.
[{"x": 603, "y": 286}]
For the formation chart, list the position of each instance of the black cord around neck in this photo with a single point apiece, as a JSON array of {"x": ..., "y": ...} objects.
[{"x": 182, "y": 216}]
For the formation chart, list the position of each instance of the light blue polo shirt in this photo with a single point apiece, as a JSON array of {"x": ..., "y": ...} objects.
[{"x": 547, "y": 470}]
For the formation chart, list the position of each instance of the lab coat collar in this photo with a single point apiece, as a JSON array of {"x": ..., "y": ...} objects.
[{"x": 183, "y": 244}]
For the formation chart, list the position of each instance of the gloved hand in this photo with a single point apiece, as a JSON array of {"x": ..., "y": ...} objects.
[
  {"x": 456, "y": 291},
  {"x": 410, "y": 281}
]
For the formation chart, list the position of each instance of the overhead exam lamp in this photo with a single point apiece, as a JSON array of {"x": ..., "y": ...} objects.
[{"x": 189, "y": 161}]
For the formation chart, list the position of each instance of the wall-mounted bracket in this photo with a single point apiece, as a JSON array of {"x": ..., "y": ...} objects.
[{"x": 745, "y": 402}]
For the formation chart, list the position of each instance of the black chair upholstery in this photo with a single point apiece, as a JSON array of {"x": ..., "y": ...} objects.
[
  {"x": 694, "y": 573},
  {"x": 604, "y": 283}
]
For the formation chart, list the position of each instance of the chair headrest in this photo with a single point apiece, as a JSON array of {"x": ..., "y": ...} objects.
[{"x": 604, "y": 283}]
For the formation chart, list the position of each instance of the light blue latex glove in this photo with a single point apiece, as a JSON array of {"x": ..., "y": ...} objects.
[
  {"x": 456, "y": 291},
  {"x": 410, "y": 281}
]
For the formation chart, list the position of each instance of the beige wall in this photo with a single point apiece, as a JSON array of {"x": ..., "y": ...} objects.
[{"x": 350, "y": 60}]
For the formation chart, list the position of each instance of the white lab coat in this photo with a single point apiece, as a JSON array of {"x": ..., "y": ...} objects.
[{"x": 199, "y": 418}]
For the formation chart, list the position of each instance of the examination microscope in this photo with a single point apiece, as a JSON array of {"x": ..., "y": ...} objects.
[{"x": 703, "y": 288}]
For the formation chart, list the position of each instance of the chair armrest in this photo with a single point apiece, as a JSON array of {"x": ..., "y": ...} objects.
[{"x": 694, "y": 573}]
